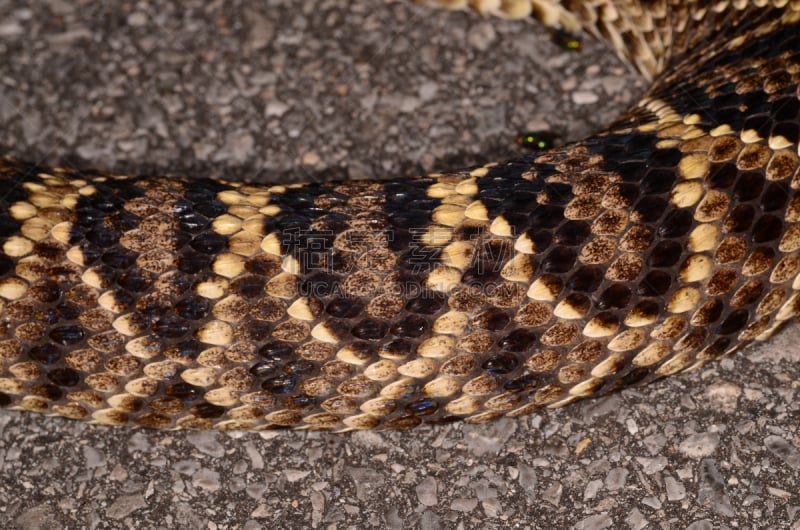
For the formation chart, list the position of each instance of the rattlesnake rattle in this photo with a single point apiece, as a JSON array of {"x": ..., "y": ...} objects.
[{"x": 664, "y": 242}]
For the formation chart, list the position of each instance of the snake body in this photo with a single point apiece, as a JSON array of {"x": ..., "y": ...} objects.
[{"x": 653, "y": 247}]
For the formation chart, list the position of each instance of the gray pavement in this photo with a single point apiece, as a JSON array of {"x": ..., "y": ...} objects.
[{"x": 299, "y": 90}]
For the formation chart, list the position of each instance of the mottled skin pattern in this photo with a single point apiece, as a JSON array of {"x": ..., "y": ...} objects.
[{"x": 664, "y": 242}]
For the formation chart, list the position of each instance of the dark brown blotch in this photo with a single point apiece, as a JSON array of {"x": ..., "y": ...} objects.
[
  {"x": 45, "y": 291},
  {"x": 740, "y": 218},
  {"x": 492, "y": 320},
  {"x": 585, "y": 279},
  {"x": 45, "y": 353},
  {"x": 412, "y": 326},
  {"x": 665, "y": 254},
  {"x": 184, "y": 391},
  {"x": 656, "y": 283},
  {"x": 676, "y": 224},
  {"x": 64, "y": 377},
  {"x": 559, "y": 260},
  {"x": 734, "y": 322},
  {"x": 519, "y": 340},
  {"x": 748, "y": 186},
  {"x": 616, "y": 296},
  {"x": 768, "y": 228},
  {"x": 207, "y": 411},
  {"x": 501, "y": 364},
  {"x": 572, "y": 233},
  {"x": 47, "y": 391},
  {"x": 775, "y": 197},
  {"x": 248, "y": 286},
  {"x": 707, "y": 313},
  {"x": 344, "y": 307},
  {"x": 369, "y": 329}
]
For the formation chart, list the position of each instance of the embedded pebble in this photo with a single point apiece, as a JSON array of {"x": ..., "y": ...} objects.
[
  {"x": 584, "y": 97},
  {"x": 426, "y": 491},
  {"x": 206, "y": 479},
  {"x": 293, "y": 475},
  {"x": 206, "y": 442},
  {"x": 655, "y": 443},
  {"x": 276, "y": 108},
  {"x": 700, "y": 445},
  {"x": 463, "y": 505},
  {"x": 482, "y": 35},
  {"x": 711, "y": 491},
  {"x": 125, "y": 505},
  {"x": 256, "y": 460},
  {"x": 788, "y": 453},
  {"x": 138, "y": 19},
  {"x": 428, "y": 90},
  {"x": 527, "y": 480},
  {"x": 601, "y": 407},
  {"x": 262, "y": 29},
  {"x": 636, "y": 520},
  {"x": 36, "y": 518},
  {"x": 652, "y": 465},
  {"x": 429, "y": 521},
  {"x": 652, "y": 502},
  {"x": 239, "y": 147},
  {"x": 703, "y": 524},
  {"x": 186, "y": 467},
  {"x": 616, "y": 478},
  {"x": 724, "y": 395},
  {"x": 553, "y": 494},
  {"x": 595, "y": 522},
  {"x": 367, "y": 481},
  {"x": 591, "y": 489},
  {"x": 94, "y": 457},
  {"x": 483, "y": 439},
  {"x": 675, "y": 490}
]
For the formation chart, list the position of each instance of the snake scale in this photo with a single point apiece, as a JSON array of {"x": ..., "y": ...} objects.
[{"x": 665, "y": 241}]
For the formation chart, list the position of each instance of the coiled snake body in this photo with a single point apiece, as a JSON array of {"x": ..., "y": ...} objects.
[{"x": 662, "y": 243}]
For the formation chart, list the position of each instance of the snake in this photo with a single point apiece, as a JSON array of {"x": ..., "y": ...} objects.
[{"x": 667, "y": 240}]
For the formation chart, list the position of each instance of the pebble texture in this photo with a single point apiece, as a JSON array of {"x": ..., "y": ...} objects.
[{"x": 361, "y": 89}]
